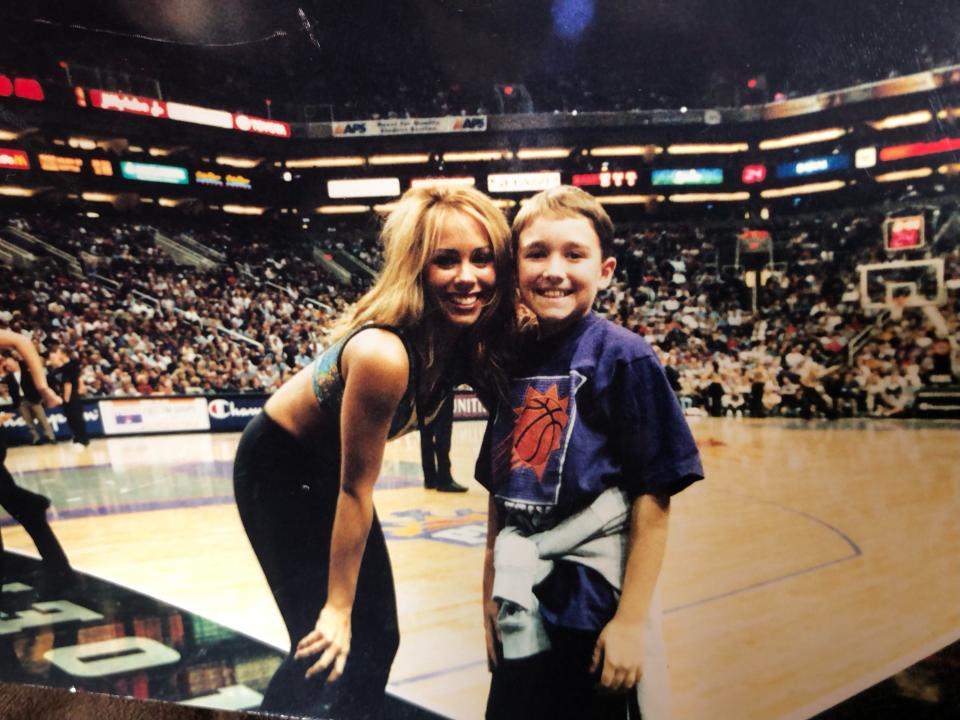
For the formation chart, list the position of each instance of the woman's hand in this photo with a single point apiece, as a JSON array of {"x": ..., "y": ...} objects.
[
  {"x": 491, "y": 609},
  {"x": 331, "y": 637}
]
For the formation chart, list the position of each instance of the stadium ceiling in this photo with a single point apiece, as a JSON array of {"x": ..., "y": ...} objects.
[{"x": 683, "y": 48}]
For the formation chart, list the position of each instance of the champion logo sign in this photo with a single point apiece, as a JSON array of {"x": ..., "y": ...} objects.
[{"x": 221, "y": 409}]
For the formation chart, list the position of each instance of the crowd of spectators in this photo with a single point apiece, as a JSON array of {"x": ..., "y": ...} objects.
[
  {"x": 141, "y": 324},
  {"x": 808, "y": 349}
]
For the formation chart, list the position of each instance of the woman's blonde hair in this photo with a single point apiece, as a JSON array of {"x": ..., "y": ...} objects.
[{"x": 410, "y": 236}]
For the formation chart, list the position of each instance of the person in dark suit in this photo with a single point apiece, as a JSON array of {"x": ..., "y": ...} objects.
[
  {"x": 435, "y": 450},
  {"x": 66, "y": 376},
  {"x": 26, "y": 507},
  {"x": 24, "y": 394}
]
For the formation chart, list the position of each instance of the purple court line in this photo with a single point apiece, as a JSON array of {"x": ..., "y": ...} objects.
[
  {"x": 389, "y": 483},
  {"x": 856, "y": 552}
]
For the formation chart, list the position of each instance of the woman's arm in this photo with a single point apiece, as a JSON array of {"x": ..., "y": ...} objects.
[
  {"x": 375, "y": 369},
  {"x": 25, "y": 349}
]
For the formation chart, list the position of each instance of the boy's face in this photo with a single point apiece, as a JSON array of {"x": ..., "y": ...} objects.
[{"x": 560, "y": 270}]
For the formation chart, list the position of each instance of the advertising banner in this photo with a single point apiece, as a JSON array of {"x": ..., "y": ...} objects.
[
  {"x": 13, "y": 159},
  {"x": 813, "y": 166},
  {"x": 151, "y": 172},
  {"x": 122, "y": 102},
  {"x": 522, "y": 182},
  {"x": 688, "y": 176},
  {"x": 410, "y": 126},
  {"x": 59, "y": 163},
  {"x": 364, "y": 188},
  {"x": 146, "y": 415},
  {"x": 231, "y": 414},
  {"x": 15, "y": 431}
]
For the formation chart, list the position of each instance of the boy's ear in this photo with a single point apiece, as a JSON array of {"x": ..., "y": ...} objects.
[{"x": 607, "y": 268}]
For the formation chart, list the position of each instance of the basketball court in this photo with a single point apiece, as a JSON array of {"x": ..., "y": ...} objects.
[{"x": 816, "y": 560}]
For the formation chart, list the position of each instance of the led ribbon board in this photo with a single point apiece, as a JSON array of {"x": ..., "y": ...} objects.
[
  {"x": 150, "y": 172},
  {"x": 813, "y": 166},
  {"x": 688, "y": 176}
]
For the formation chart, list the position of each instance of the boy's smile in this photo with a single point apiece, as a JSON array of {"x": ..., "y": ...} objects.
[{"x": 560, "y": 270}]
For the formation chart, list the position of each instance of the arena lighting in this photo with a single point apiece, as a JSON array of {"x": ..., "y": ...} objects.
[
  {"x": 453, "y": 181},
  {"x": 949, "y": 113},
  {"x": 543, "y": 153},
  {"x": 707, "y": 148},
  {"x": 16, "y": 191},
  {"x": 898, "y": 175},
  {"x": 98, "y": 197},
  {"x": 238, "y": 162},
  {"x": 505, "y": 204},
  {"x": 920, "y": 117},
  {"x": 629, "y": 199},
  {"x": 171, "y": 202},
  {"x": 8, "y": 135},
  {"x": 243, "y": 209},
  {"x": 802, "y": 139},
  {"x": 709, "y": 197},
  {"x": 411, "y": 159},
  {"x": 385, "y": 208},
  {"x": 477, "y": 156},
  {"x": 82, "y": 143},
  {"x": 92, "y": 214},
  {"x": 325, "y": 162},
  {"x": 807, "y": 189},
  {"x": 949, "y": 169},
  {"x": 899, "y": 152},
  {"x": 134, "y": 149},
  {"x": 865, "y": 157},
  {"x": 159, "y": 152},
  {"x": 622, "y": 150},
  {"x": 342, "y": 209}
]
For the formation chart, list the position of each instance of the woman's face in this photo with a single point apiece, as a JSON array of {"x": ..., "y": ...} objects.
[{"x": 460, "y": 278}]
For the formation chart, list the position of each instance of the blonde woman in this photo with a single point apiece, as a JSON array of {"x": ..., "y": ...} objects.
[{"x": 306, "y": 466}]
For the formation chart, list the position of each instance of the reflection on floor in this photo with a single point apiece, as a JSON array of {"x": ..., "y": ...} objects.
[{"x": 95, "y": 636}]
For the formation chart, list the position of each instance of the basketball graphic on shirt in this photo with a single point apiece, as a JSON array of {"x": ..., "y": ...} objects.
[{"x": 538, "y": 428}]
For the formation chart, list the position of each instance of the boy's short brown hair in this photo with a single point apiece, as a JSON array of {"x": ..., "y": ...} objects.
[{"x": 563, "y": 202}]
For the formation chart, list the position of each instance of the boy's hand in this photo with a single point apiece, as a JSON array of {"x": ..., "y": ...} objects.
[
  {"x": 620, "y": 650},
  {"x": 491, "y": 610}
]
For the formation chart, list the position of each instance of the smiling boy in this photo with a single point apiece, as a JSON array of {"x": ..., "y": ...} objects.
[{"x": 580, "y": 463}]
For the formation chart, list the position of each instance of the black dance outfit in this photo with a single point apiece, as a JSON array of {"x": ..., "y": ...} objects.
[{"x": 287, "y": 493}]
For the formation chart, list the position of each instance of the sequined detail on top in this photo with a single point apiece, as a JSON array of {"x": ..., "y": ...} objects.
[{"x": 328, "y": 383}]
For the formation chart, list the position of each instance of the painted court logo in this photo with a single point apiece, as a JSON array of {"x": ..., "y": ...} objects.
[{"x": 465, "y": 527}]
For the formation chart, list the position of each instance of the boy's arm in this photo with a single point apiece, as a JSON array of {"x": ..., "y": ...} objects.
[
  {"x": 490, "y": 606},
  {"x": 620, "y": 647}
]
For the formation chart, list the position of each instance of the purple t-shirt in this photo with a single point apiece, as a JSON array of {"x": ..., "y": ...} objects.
[{"x": 589, "y": 409}]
